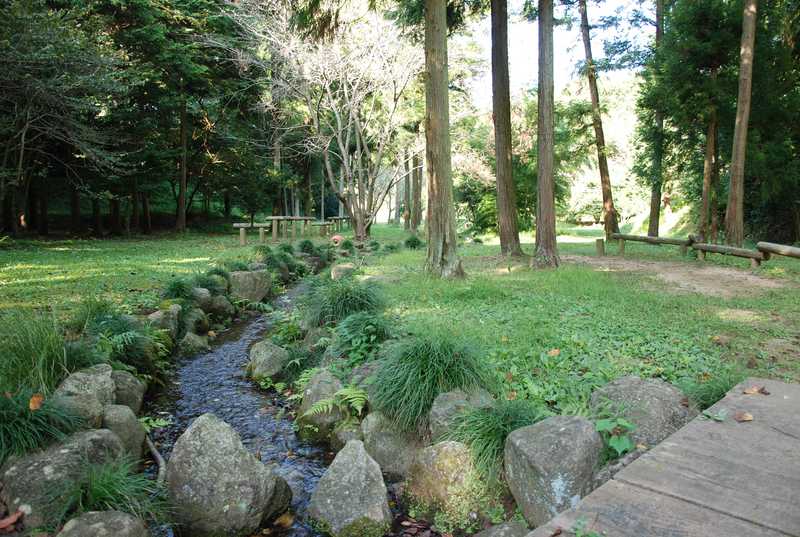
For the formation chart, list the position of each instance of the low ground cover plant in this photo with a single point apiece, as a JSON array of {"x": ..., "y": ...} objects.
[
  {"x": 330, "y": 301},
  {"x": 358, "y": 337}
]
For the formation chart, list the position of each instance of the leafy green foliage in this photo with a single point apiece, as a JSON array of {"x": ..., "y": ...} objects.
[
  {"x": 261, "y": 253},
  {"x": 27, "y": 424},
  {"x": 485, "y": 430},
  {"x": 286, "y": 328},
  {"x": 286, "y": 247},
  {"x": 179, "y": 288},
  {"x": 616, "y": 435},
  {"x": 235, "y": 266},
  {"x": 307, "y": 246},
  {"x": 415, "y": 369},
  {"x": 351, "y": 401},
  {"x": 151, "y": 424},
  {"x": 216, "y": 285},
  {"x": 706, "y": 389},
  {"x": 330, "y": 301},
  {"x": 221, "y": 272},
  {"x": 374, "y": 246},
  {"x": 413, "y": 242},
  {"x": 358, "y": 337},
  {"x": 348, "y": 245},
  {"x": 90, "y": 308}
]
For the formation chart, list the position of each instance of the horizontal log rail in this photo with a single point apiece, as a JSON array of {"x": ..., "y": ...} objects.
[
  {"x": 755, "y": 256},
  {"x": 622, "y": 238},
  {"x": 768, "y": 249},
  {"x": 284, "y": 226}
]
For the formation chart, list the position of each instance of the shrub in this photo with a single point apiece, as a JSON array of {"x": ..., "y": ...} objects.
[
  {"x": 261, "y": 253},
  {"x": 413, "y": 242},
  {"x": 129, "y": 342},
  {"x": 82, "y": 353},
  {"x": 217, "y": 285},
  {"x": 221, "y": 272},
  {"x": 330, "y": 301},
  {"x": 390, "y": 247},
  {"x": 359, "y": 336},
  {"x": 307, "y": 246},
  {"x": 28, "y": 423},
  {"x": 416, "y": 369},
  {"x": 235, "y": 266},
  {"x": 374, "y": 245},
  {"x": 348, "y": 245},
  {"x": 31, "y": 352},
  {"x": 295, "y": 266},
  {"x": 179, "y": 288},
  {"x": 90, "y": 308},
  {"x": 286, "y": 247},
  {"x": 116, "y": 486},
  {"x": 705, "y": 390},
  {"x": 485, "y": 430}
]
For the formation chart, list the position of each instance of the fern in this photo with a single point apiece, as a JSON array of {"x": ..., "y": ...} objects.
[{"x": 351, "y": 401}]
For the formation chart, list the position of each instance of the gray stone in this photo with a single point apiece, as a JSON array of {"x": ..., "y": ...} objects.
[
  {"x": 129, "y": 390},
  {"x": 193, "y": 344},
  {"x": 216, "y": 486},
  {"x": 34, "y": 483},
  {"x": 201, "y": 297},
  {"x": 657, "y": 408},
  {"x": 392, "y": 449},
  {"x": 447, "y": 406},
  {"x": 550, "y": 465},
  {"x": 342, "y": 270},
  {"x": 104, "y": 524},
  {"x": 254, "y": 285},
  {"x": 508, "y": 529},
  {"x": 167, "y": 319},
  {"x": 439, "y": 475},
  {"x": 281, "y": 498},
  {"x": 342, "y": 435},
  {"x": 195, "y": 321},
  {"x": 121, "y": 420},
  {"x": 266, "y": 359},
  {"x": 313, "y": 336},
  {"x": 95, "y": 381},
  {"x": 84, "y": 406},
  {"x": 220, "y": 308},
  {"x": 318, "y": 427},
  {"x": 350, "y": 498}
]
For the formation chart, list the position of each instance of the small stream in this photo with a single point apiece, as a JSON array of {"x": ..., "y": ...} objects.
[{"x": 215, "y": 382}]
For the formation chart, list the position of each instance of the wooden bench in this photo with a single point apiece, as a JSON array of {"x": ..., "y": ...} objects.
[
  {"x": 243, "y": 227},
  {"x": 339, "y": 222},
  {"x": 768, "y": 249},
  {"x": 755, "y": 256},
  {"x": 683, "y": 243},
  {"x": 323, "y": 227}
]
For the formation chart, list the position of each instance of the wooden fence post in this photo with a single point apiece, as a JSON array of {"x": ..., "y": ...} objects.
[
  {"x": 600, "y": 245},
  {"x": 261, "y": 235},
  {"x": 242, "y": 236},
  {"x": 622, "y": 247}
]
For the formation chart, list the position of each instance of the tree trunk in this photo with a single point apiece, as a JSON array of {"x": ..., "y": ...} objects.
[
  {"x": 546, "y": 247},
  {"x": 97, "y": 218},
  {"x": 734, "y": 217},
  {"x": 442, "y": 258},
  {"x": 501, "y": 101},
  {"x": 416, "y": 194},
  {"x": 714, "y": 197},
  {"x": 708, "y": 173},
  {"x": 44, "y": 210},
  {"x": 610, "y": 221},
  {"x": 341, "y": 189},
  {"x": 658, "y": 149},
  {"x": 75, "y": 209},
  {"x": 115, "y": 217},
  {"x": 406, "y": 191},
  {"x": 397, "y": 203},
  {"x": 135, "y": 203},
  {"x": 180, "y": 222},
  {"x": 226, "y": 203},
  {"x": 147, "y": 223}
]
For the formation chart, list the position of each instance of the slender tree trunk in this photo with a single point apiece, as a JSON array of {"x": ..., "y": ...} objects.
[
  {"x": 135, "y": 203},
  {"x": 397, "y": 203},
  {"x": 416, "y": 194},
  {"x": 341, "y": 189},
  {"x": 180, "y": 222},
  {"x": 442, "y": 258},
  {"x": 97, "y": 218},
  {"x": 147, "y": 223},
  {"x": 734, "y": 217},
  {"x": 546, "y": 247},
  {"x": 501, "y": 101},
  {"x": 709, "y": 165},
  {"x": 610, "y": 221},
  {"x": 44, "y": 210},
  {"x": 115, "y": 217},
  {"x": 714, "y": 201},
  {"x": 406, "y": 191},
  {"x": 322, "y": 197},
  {"x": 658, "y": 149}
]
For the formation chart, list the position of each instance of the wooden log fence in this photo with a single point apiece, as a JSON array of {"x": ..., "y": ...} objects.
[
  {"x": 768, "y": 249},
  {"x": 755, "y": 256},
  {"x": 683, "y": 243},
  {"x": 289, "y": 226}
]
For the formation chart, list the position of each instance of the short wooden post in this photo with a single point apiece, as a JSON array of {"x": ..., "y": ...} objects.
[
  {"x": 274, "y": 224},
  {"x": 293, "y": 223},
  {"x": 622, "y": 247},
  {"x": 684, "y": 249},
  {"x": 261, "y": 235},
  {"x": 702, "y": 255},
  {"x": 600, "y": 246},
  {"x": 302, "y": 227},
  {"x": 755, "y": 263},
  {"x": 242, "y": 236}
]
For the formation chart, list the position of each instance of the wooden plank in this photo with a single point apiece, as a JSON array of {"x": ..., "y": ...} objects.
[
  {"x": 768, "y": 248},
  {"x": 652, "y": 240},
  {"x": 728, "y": 250},
  {"x": 240, "y": 226},
  {"x": 621, "y": 510}
]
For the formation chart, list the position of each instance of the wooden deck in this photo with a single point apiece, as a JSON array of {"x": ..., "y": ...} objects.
[{"x": 710, "y": 479}]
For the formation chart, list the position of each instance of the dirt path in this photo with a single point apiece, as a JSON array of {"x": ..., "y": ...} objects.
[{"x": 711, "y": 280}]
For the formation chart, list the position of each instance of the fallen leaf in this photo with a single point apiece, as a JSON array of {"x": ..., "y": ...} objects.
[
  {"x": 641, "y": 447},
  {"x": 284, "y": 521},
  {"x": 558, "y": 531},
  {"x": 503, "y": 339},
  {"x": 753, "y": 390},
  {"x": 36, "y": 402},
  {"x": 512, "y": 395},
  {"x": 741, "y": 416},
  {"x": 10, "y": 520},
  {"x": 553, "y": 352}
]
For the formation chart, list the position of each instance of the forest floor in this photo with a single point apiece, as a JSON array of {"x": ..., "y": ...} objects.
[{"x": 652, "y": 313}]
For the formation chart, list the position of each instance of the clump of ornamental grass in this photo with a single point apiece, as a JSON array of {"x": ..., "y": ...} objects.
[
  {"x": 348, "y": 245},
  {"x": 485, "y": 430},
  {"x": 179, "y": 289},
  {"x": 286, "y": 247},
  {"x": 221, "y": 272},
  {"x": 89, "y": 308},
  {"x": 330, "y": 301},
  {"x": 413, "y": 242},
  {"x": 216, "y": 285},
  {"x": 358, "y": 337},
  {"x": 29, "y": 421},
  {"x": 261, "y": 253},
  {"x": 235, "y": 266},
  {"x": 416, "y": 369},
  {"x": 706, "y": 389},
  {"x": 32, "y": 351},
  {"x": 307, "y": 246}
]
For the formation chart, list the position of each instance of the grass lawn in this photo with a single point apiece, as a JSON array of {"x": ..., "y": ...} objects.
[{"x": 576, "y": 323}]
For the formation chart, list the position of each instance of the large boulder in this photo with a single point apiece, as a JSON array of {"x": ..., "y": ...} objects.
[
  {"x": 343, "y": 434},
  {"x": 350, "y": 498},
  {"x": 447, "y": 406},
  {"x": 167, "y": 319},
  {"x": 440, "y": 477},
  {"x": 121, "y": 420},
  {"x": 319, "y": 426},
  {"x": 202, "y": 297},
  {"x": 192, "y": 344},
  {"x": 220, "y": 308},
  {"x": 657, "y": 408},
  {"x": 95, "y": 381},
  {"x": 36, "y": 484},
  {"x": 216, "y": 486},
  {"x": 342, "y": 270},
  {"x": 253, "y": 285},
  {"x": 550, "y": 465},
  {"x": 392, "y": 449},
  {"x": 129, "y": 390},
  {"x": 266, "y": 359},
  {"x": 195, "y": 321},
  {"x": 84, "y": 406},
  {"x": 507, "y": 529},
  {"x": 104, "y": 524}
]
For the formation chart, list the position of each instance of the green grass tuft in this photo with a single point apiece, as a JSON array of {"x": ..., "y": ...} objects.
[
  {"x": 330, "y": 301},
  {"x": 704, "y": 392},
  {"x": 23, "y": 430},
  {"x": 286, "y": 247},
  {"x": 307, "y": 246},
  {"x": 261, "y": 253},
  {"x": 217, "y": 285},
  {"x": 415, "y": 369},
  {"x": 235, "y": 266},
  {"x": 485, "y": 430},
  {"x": 179, "y": 288},
  {"x": 358, "y": 337},
  {"x": 413, "y": 242}
]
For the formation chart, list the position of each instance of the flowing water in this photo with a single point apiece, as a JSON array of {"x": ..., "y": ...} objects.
[{"x": 215, "y": 382}]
